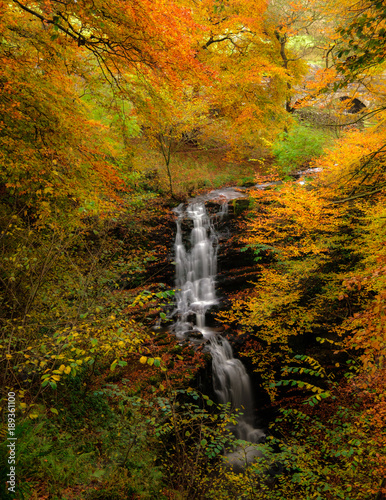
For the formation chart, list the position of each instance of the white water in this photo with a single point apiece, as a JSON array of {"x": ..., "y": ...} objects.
[
  {"x": 196, "y": 268},
  {"x": 232, "y": 384}
]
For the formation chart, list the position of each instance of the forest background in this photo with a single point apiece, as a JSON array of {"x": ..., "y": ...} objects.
[{"x": 112, "y": 113}]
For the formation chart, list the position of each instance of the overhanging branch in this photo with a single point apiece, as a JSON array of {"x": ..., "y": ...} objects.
[{"x": 361, "y": 195}]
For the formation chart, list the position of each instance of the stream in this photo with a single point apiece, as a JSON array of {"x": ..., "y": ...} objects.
[
  {"x": 196, "y": 251},
  {"x": 196, "y": 248}
]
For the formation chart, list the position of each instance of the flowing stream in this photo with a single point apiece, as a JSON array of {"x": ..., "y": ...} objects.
[
  {"x": 196, "y": 268},
  {"x": 196, "y": 248}
]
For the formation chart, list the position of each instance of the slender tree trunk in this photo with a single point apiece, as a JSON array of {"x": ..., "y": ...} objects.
[
  {"x": 166, "y": 150},
  {"x": 282, "y": 39},
  {"x": 170, "y": 177}
]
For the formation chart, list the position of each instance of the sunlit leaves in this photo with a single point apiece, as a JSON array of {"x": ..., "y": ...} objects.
[{"x": 122, "y": 36}]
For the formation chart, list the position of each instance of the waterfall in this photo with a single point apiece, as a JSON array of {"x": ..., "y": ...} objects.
[
  {"x": 196, "y": 268},
  {"x": 231, "y": 384}
]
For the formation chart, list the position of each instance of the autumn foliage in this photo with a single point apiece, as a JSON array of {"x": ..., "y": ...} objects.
[
  {"x": 320, "y": 250},
  {"x": 97, "y": 103}
]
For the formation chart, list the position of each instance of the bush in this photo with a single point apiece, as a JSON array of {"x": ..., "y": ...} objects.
[{"x": 298, "y": 146}]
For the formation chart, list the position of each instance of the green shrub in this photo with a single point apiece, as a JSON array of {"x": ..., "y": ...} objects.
[
  {"x": 100, "y": 449},
  {"x": 298, "y": 146}
]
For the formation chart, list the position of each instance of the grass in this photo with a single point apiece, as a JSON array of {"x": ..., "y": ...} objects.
[
  {"x": 193, "y": 169},
  {"x": 299, "y": 146}
]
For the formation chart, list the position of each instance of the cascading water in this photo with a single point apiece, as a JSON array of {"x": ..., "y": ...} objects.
[
  {"x": 195, "y": 282},
  {"x": 232, "y": 384},
  {"x": 195, "y": 269}
]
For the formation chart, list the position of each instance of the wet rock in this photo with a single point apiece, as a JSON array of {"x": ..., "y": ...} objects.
[
  {"x": 195, "y": 334},
  {"x": 239, "y": 205},
  {"x": 218, "y": 329}
]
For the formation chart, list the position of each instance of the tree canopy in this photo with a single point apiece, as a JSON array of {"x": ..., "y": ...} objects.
[{"x": 113, "y": 113}]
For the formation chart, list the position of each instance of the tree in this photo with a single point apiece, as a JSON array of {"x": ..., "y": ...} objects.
[
  {"x": 62, "y": 157},
  {"x": 360, "y": 49},
  {"x": 246, "y": 95},
  {"x": 169, "y": 116},
  {"x": 140, "y": 35},
  {"x": 294, "y": 26},
  {"x": 60, "y": 163}
]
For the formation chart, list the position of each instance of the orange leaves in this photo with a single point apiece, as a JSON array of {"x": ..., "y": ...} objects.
[
  {"x": 123, "y": 35},
  {"x": 369, "y": 325},
  {"x": 53, "y": 155},
  {"x": 352, "y": 163},
  {"x": 230, "y": 42}
]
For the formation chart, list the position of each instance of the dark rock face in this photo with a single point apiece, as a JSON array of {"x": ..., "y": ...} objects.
[
  {"x": 236, "y": 265},
  {"x": 195, "y": 334}
]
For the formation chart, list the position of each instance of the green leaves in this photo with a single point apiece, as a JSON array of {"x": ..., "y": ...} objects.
[
  {"x": 362, "y": 40},
  {"x": 152, "y": 361},
  {"x": 116, "y": 363}
]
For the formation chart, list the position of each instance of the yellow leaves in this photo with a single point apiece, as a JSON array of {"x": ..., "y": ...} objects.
[
  {"x": 151, "y": 361},
  {"x": 237, "y": 48},
  {"x": 63, "y": 369},
  {"x": 349, "y": 166},
  {"x": 72, "y": 350},
  {"x": 322, "y": 78},
  {"x": 292, "y": 221}
]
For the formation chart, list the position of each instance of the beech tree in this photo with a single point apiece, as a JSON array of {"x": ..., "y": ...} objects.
[
  {"x": 169, "y": 116},
  {"x": 360, "y": 49},
  {"x": 246, "y": 95},
  {"x": 143, "y": 34}
]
